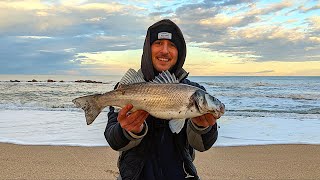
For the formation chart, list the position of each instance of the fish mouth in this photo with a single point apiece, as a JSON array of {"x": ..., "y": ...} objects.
[
  {"x": 218, "y": 112},
  {"x": 222, "y": 108}
]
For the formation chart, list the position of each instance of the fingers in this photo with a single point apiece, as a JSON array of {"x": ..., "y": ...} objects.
[
  {"x": 210, "y": 119},
  {"x": 132, "y": 121},
  {"x": 135, "y": 120},
  {"x": 205, "y": 120},
  {"x": 123, "y": 112},
  {"x": 137, "y": 115},
  {"x": 200, "y": 121}
]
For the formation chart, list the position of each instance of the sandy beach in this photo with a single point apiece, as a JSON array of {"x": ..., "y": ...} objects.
[{"x": 243, "y": 162}]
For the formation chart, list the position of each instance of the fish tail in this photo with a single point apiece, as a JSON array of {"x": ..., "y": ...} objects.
[{"x": 90, "y": 105}]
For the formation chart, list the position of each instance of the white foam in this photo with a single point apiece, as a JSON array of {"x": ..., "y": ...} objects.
[
  {"x": 33, "y": 127},
  {"x": 69, "y": 128}
]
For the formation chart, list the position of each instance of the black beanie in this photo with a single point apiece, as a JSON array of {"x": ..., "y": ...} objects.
[{"x": 168, "y": 32}]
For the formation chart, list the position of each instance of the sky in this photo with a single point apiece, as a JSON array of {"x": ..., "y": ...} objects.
[{"x": 101, "y": 37}]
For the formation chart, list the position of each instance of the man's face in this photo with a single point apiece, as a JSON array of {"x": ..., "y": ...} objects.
[{"x": 164, "y": 54}]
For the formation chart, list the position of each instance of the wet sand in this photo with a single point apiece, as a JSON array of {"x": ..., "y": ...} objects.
[{"x": 243, "y": 162}]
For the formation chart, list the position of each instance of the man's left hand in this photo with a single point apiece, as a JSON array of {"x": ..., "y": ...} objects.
[{"x": 205, "y": 120}]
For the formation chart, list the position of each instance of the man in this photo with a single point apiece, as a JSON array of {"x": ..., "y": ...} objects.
[{"x": 148, "y": 148}]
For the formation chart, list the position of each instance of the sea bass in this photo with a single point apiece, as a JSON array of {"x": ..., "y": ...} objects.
[{"x": 164, "y": 98}]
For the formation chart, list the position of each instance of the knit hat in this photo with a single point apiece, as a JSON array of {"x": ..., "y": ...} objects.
[{"x": 165, "y": 31}]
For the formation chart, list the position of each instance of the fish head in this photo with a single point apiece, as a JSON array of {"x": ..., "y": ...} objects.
[{"x": 209, "y": 104}]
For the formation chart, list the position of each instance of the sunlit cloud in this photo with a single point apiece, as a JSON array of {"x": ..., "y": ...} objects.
[
  {"x": 24, "y": 5},
  {"x": 269, "y": 8},
  {"x": 307, "y": 9},
  {"x": 34, "y": 37},
  {"x": 222, "y": 21},
  {"x": 225, "y": 37}
]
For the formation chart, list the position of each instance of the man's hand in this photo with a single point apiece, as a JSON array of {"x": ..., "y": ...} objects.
[
  {"x": 205, "y": 120},
  {"x": 132, "y": 122}
]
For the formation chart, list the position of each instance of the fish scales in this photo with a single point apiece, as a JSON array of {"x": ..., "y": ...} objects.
[{"x": 154, "y": 98}]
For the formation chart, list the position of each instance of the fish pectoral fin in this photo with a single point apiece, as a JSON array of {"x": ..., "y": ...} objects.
[{"x": 176, "y": 125}]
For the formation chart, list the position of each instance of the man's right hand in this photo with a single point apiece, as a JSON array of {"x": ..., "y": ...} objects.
[{"x": 132, "y": 122}]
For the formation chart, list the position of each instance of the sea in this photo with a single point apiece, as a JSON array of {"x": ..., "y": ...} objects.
[{"x": 259, "y": 110}]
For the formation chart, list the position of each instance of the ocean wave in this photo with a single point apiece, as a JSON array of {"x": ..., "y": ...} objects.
[
  {"x": 41, "y": 107},
  {"x": 295, "y": 96},
  {"x": 292, "y": 85},
  {"x": 238, "y": 85},
  {"x": 307, "y": 111},
  {"x": 250, "y": 94}
]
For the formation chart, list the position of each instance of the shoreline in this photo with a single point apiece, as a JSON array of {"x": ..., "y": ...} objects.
[{"x": 281, "y": 161}]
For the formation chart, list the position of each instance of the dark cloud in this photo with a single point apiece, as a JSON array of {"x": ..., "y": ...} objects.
[
  {"x": 25, "y": 58},
  {"x": 69, "y": 33},
  {"x": 264, "y": 72},
  {"x": 313, "y": 8},
  {"x": 159, "y": 13},
  {"x": 226, "y": 2}
]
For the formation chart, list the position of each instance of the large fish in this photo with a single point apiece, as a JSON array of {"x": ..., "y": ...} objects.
[{"x": 164, "y": 98}]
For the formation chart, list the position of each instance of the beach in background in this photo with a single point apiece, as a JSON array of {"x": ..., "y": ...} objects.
[{"x": 262, "y": 114}]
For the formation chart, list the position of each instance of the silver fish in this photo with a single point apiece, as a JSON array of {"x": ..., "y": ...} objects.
[{"x": 164, "y": 98}]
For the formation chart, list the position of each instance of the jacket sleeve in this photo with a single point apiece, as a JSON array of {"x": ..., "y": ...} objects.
[
  {"x": 200, "y": 139},
  {"x": 118, "y": 138}
]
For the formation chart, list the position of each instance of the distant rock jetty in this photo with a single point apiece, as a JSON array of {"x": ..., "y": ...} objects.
[
  {"x": 33, "y": 80},
  {"x": 50, "y": 80},
  {"x": 87, "y": 81}
]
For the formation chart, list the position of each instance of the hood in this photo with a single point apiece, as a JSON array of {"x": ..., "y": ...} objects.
[{"x": 146, "y": 62}]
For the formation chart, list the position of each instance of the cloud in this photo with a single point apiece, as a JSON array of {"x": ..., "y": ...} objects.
[
  {"x": 25, "y": 59},
  {"x": 314, "y": 22},
  {"x": 222, "y": 21},
  {"x": 271, "y": 8},
  {"x": 64, "y": 33},
  {"x": 46, "y": 38},
  {"x": 306, "y": 9},
  {"x": 264, "y": 72},
  {"x": 226, "y": 2},
  {"x": 159, "y": 13},
  {"x": 271, "y": 43},
  {"x": 23, "y": 5},
  {"x": 60, "y": 20},
  {"x": 251, "y": 31}
]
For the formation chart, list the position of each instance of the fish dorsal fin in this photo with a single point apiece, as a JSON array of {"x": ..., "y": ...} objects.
[
  {"x": 165, "y": 77},
  {"x": 131, "y": 77}
]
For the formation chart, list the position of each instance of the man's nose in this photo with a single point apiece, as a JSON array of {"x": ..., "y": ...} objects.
[{"x": 165, "y": 49}]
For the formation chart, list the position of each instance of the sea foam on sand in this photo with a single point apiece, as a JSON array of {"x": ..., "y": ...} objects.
[{"x": 37, "y": 127}]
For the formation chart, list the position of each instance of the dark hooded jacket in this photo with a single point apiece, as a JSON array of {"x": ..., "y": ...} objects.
[{"x": 157, "y": 153}]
